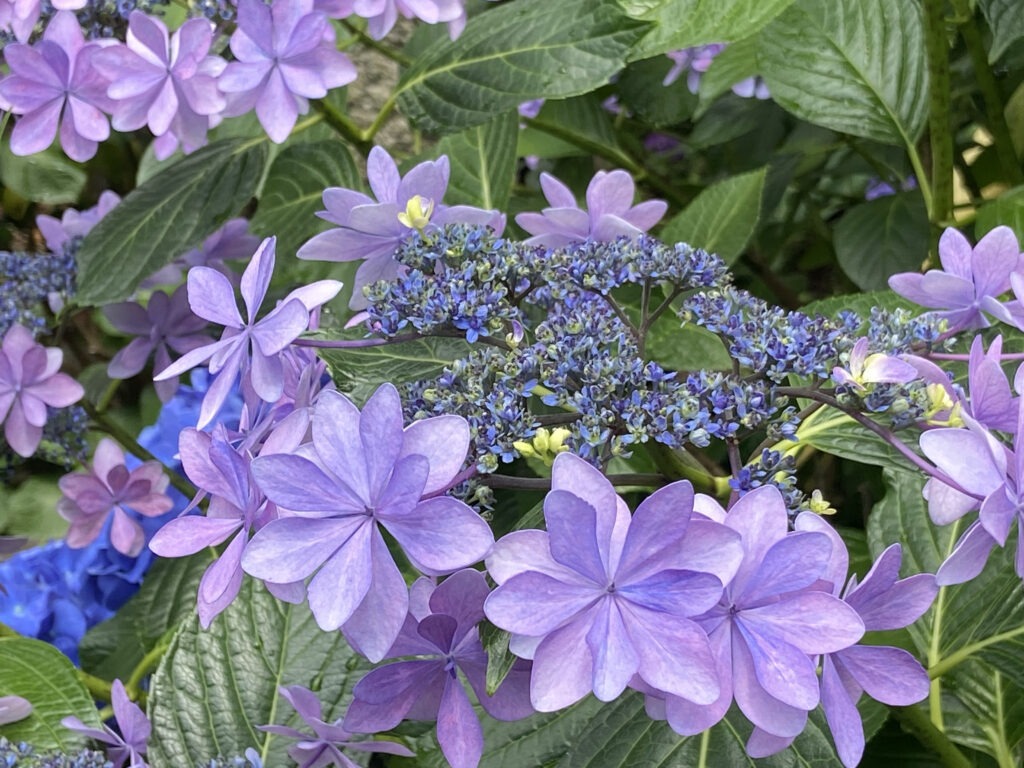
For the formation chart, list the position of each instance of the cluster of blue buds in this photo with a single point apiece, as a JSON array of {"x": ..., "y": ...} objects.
[
  {"x": 22, "y": 755},
  {"x": 33, "y": 287}
]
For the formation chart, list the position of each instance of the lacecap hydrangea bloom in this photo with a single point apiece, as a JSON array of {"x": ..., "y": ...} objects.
[
  {"x": 372, "y": 229},
  {"x": 127, "y": 747},
  {"x": 601, "y": 597},
  {"x": 30, "y": 381},
  {"x": 366, "y": 471}
]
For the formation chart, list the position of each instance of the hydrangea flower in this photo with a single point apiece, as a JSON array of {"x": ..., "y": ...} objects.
[
  {"x": 872, "y": 369},
  {"x": 29, "y": 382},
  {"x": 366, "y": 472},
  {"x": 991, "y": 402},
  {"x": 372, "y": 229},
  {"x": 324, "y": 746},
  {"x": 128, "y": 746},
  {"x": 250, "y": 347},
  {"x": 285, "y": 54},
  {"x": 55, "y": 83},
  {"x": 19, "y": 17},
  {"x": 991, "y": 475},
  {"x": 110, "y": 487},
  {"x": 600, "y": 597},
  {"x": 13, "y": 709},
  {"x": 773, "y": 618},
  {"x": 967, "y": 287},
  {"x": 381, "y": 15},
  {"x": 441, "y": 631},
  {"x": 165, "y": 323},
  {"x": 236, "y": 507},
  {"x": 166, "y": 82},
  {"x": 75, "y": 224},
  {"x": 231, "y": 242},
  {"x": 610, "y": 212},
  {"x": 889, "y": 675}
]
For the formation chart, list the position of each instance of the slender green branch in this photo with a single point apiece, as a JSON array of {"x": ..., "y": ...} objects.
[
  {"x": 922, "y": 178},
  {"x": 916, "y": 722},
  {"x": 943, "y": 666},
  {"x": 382, "y": 116},
  {"x": 679, "y": 464},
  {"x": 544, "y": 483},
  {"x": 995, "y": 108},
  {"x": 341, "y": 123},
  {"x": 105, "y": 424},
  {"x": 147, "y": 664},
  {"x": 940, "y": 133},
  {"x": 98, "y": 688},
  {"x": 379, "y": 47}
]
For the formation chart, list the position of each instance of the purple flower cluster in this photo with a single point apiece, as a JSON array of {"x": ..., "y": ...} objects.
[{"x": 284, "y": 54}]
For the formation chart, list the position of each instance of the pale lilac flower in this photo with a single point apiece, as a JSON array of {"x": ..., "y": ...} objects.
[
  {"x": 30, "y": 380},
  {"x": 55, "y": 83},
  {"x": 167, "y": 83},
  {"x": 372, "y": 229},
  {"x": 164, "y": 324},
  {"x": 872, "y": 369},
  {"x": 382, "y": 15},
  {"x": 285, "y": 54},
  {"x": 610, "y": 212},
  {"x": 991, "y": 402},
  {"x": 128, "y": 747},
  {"x": 236, "y": 507},
  {"x": 773, "y": 618},
  {"x": 250, "y": 347},
  {"x": 364, "y": 472},
  {"x": 531, "y": 108},
  {"x": 323, "y": 748},
  {"x": 231, "y": 242},
  {"x": 877, "y": 188},
  {"x": 967, "y": 287},
  {"x": 889, "y": 675},
  {"x": 991, "y": 474},
  {"x": 20, "y": 17},
  {"x": 600, "y": 597},
  {"x": 697, "y": 60},
  {"x": 13, "y": 709},
  {"x": 75, "y": 224},
  {"x": 110, "y": 487},
  {"x": 441, "y": 631}
]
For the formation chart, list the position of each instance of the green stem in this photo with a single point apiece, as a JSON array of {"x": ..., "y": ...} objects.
[
  {"x": 705, "y": 741},
  {"x": 105, "y": 424},
  {"x": 934, "y": 649},
  {"x": 940, "y": 134},
  {"x": 679, "y": 464},
  {"x": 943, "y": 666},
  {"x": 97, "y": 687},
  {"x": 995, "y": 108},
  {"x": 341, "y": 123},
  {"x": 916, "y": 722},
  {"x": 383, "y": 50},
  {"x": 144, "y": 667}
]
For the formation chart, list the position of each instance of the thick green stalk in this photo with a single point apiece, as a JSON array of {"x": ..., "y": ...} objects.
[
  {"x": 916, "y": 722},
  {"x": 940, "y": 131},
  {"x": 995, "y": 108}
]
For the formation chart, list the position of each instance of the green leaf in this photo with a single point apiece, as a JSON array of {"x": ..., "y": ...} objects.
[
  {"x": 688, "y": 348},
  {"x": 483, "y": 161},
  {"x": 513, "y": 53},
  {"x": 113, "y": 648},
  {"x": 733, "y": 65},
  {"x": 359, "y": 371},
  {"x": 1006, "y": 20},
  {"x": 641, "y": 91},
  {"x": 973, "y": 636},
  {"x": 215, "y": 686},
  {"x": 621, "y": 735},
  {"x": 44, "y": 676},
  {"x": 169, "y": 214},
  {"x": 856, "y": 66},
  {"x": 722, "y": 218},
  {"x": 1006, "y": 210},
  {"x": 838, "y": 434},
  {"x": 30, "y": 510},
  {"x": 46, "y": 177},
  {"x": 685, "y": 23},
  {"x": 861, "y": 303},
  {"x": 294, "y": 189},
  {"x": 499, "y": 658},
  {"x": 882, "y": 237}
]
